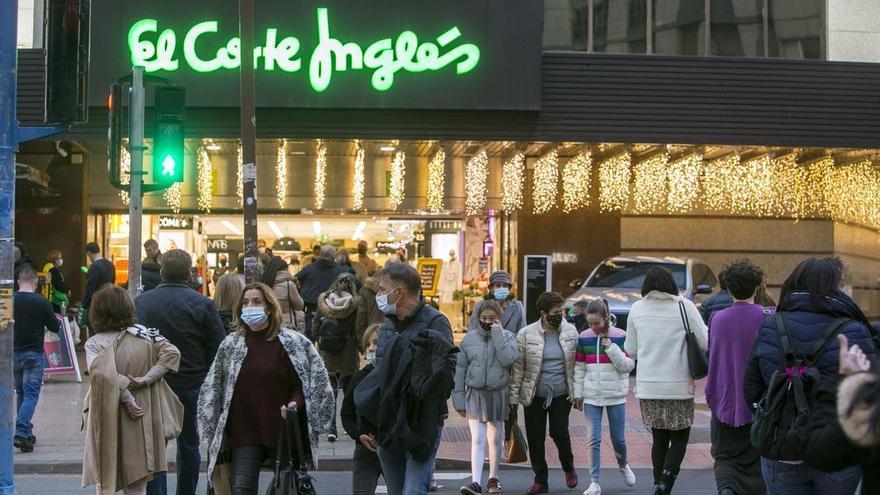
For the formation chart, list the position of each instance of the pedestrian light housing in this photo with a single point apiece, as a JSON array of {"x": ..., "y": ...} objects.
[{"x": 168, "y": 137}]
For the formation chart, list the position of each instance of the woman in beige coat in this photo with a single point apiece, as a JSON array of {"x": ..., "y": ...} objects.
[
  {"x": 277, "y": 276},
  {"x": 130, "y": 412}
]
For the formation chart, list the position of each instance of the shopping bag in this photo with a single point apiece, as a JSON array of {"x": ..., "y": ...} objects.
[
  {"x": 220, "y": 482},
  {"x": 516, "y": 442}
]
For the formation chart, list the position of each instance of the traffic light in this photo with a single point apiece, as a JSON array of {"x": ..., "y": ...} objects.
[
  {"x": 67, "y": 60},
  {"x": 168, "y": 135},
  {"x": 116, "y": 117}
]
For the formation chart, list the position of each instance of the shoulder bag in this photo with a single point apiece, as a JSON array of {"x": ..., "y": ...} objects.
[
  {"x": 291, "y": 479},
  {"x": 697, "y": 361}
]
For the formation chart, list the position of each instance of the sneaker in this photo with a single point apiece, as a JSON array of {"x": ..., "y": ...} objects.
[
  {"x": 571, "y": 479},
  {"x": 594, "y": 489},
  {"x": 493, "y": 486},
  {"x": 472, "y": 488},
  {"x": 537, "y": 488},
  {"x": 33, "y": 439},
  {"x": 331, "y": 437},
  {"x": 629, "y": 477},
  {"x": 433, "y": 487},
  {"x": 23, "y": 444}
]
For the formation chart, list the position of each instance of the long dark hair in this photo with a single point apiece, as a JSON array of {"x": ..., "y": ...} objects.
[
  {"x": 275, "y": 265},
  {"x": 820, "y": 277}
]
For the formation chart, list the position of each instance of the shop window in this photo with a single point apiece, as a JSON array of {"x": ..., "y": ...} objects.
[
  {"x": 679, "y": 27},
  {"x": 620, "y": 26},
  {"x": 737, "y": 28},
  {"x": 566, "y": 24},
  {"x": 795, "y": 29}
]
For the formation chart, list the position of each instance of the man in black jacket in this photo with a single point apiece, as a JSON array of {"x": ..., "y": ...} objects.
[
  {"x": 190, "y": 321},
  {"x": 150, "y": 267},
  {"x": 101, "y": 272},
  {"x": 315, "y": 279}
]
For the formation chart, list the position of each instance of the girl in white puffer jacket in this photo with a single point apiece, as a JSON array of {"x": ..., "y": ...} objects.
[{"x": 601, "y": 382}]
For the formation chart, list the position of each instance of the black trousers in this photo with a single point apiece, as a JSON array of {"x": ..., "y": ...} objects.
[
  {"x": 338, "y": 384},
  {"x": 366, "y": 471},
  {"x": 536, "y": 418},
  {"x": 737, "y": 461},
  {"x": 668, "y": 449}
]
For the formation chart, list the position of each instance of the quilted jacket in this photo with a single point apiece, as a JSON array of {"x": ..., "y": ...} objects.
[
  {"x": 527, "y": 369},
  {"x": 601, "y": 376}
]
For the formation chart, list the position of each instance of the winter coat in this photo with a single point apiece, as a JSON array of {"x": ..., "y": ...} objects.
[
  {"x": 527, "y": 368},
  {"x": 288, "y": 297},
  {"x": 119, "y": 450},
  {"x": 714, "y": 304},
  {"x": 151, "y": 275},
  {"x": 483, "y": 362},
  {"x": 655, "y": 338},
  {"x": 344, "y": 310},
  {"x": 215, "y": 396},
  {"x": 513, "y": 317},
  {"x": 352, "y": 422},
  {"x": 601, "y": 376},
  {"x": 317, "y": 278},
  {"x": 190, "y": 321},
  {"x": 368, "y": 311},
  {"x": 835, "y": 440},
  {"x": 806, "y": 320}
]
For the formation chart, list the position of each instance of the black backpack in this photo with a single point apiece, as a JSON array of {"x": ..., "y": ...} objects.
[
  {"x": 332, "y": 336},
  {"x": 785, "y": 408}
]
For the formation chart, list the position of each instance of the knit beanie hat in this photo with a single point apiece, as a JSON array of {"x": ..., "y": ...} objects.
[{"x": 500, "y": 276}]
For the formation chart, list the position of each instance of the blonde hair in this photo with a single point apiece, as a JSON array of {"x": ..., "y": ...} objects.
[
  {"x": 368, "y": 334},
  {"x": 228, "y": 291},
  {"x": 273, "y": 310}
]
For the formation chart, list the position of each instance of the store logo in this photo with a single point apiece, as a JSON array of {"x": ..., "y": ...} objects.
[{"x": 385, "y": 57}]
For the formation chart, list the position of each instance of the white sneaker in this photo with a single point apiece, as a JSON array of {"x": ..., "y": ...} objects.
[
  {"x": 594, "y": 489},
  {"x": 629, "y": 477}
]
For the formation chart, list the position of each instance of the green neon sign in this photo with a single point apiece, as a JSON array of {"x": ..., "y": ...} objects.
[{"x": 157, "y": 51}]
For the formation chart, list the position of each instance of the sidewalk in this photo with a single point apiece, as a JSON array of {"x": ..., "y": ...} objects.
[{"x": 59, "y": 448}]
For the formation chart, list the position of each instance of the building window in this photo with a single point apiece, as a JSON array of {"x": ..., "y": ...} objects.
[
  {"x": 679, "y": 27},
  {"x": 619, "y": 26},
  {"x": 795, "y": 29},
  {"x": 737, "y": 28}
]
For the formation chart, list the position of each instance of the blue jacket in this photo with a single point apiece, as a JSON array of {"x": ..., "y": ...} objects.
[
  {"x": 714, "y": 304},
  {"x": 806, "y": 321},
  {"x": 317, "y": 277}
]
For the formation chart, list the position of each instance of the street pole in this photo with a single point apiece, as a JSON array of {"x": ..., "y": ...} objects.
[
  {"x": 248, "y": 138},
  {"x": 8, "y": 146},
  {"x": 136, "y": 199}
]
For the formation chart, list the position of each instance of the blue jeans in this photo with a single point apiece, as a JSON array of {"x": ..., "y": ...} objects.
[
  {"x": 28, "y": 371},
  {"x": 188, "y": 456},
  {"x": 403, "y": 474},
  {"x": 617, "y": 424},
  {"x": 799, "y": 479}
]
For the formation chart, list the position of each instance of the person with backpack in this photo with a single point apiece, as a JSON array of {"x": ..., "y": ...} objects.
[
  {"x": 334, "y": 331},
  {"x": 482, "y": 374},
  {"x": 731, "y": 333},
  {"x": 794, "y": 352}
]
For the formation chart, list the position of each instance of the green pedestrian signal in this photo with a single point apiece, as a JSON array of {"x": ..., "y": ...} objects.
[{"x": 168, "y": 139}]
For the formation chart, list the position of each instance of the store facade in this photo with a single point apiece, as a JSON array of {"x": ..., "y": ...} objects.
[{"x": 545, "y": 152}]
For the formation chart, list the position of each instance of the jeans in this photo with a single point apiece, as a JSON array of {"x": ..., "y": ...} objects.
[
  {"x": 337, "y": 383},
  {"x": 366, "y": 471},
  {"x": 28, "y": 371},
  {"x": 188, "y": 456},
  {"x": 405, "y": 475},
  {"x": 617, "y": 425},
  {"x": 246, "y": 464},
  {"x": 799, "y": 479},
  {"x": 536, "y": 418}
]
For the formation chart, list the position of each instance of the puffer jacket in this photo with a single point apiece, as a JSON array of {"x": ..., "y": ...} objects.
[
  {"x": 288, "y": 297},
  {"x": 601, "y": 376},
  {"x": 714, "y": 304},
  {"x": 483, "y": 362},
  {"x": 806, "y": 319},
  {"x": 527, "y": 368}
]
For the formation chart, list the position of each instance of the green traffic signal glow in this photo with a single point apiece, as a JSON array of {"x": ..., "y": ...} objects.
[
  {"x": 385, "y": 57},
  {"x": 168, "y": 166}
]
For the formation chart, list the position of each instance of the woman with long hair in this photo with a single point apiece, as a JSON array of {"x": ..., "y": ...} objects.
[
  {"x": 226, "y": 296},
  {"x": 655, "y": 337},
  {"x": 126, "y": 425},
  {"x": 261, "y": 369},
  {"x": 276, "y": 275}
]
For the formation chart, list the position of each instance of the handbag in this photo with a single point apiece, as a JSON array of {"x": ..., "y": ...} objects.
[
  {"x": 697, "y": 361},
  {"x": 516, "y": 442},
  {"x": 220, "y": 482},
  {"x": 290, "y": 479}
]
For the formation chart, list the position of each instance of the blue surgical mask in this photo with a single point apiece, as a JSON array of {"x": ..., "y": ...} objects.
[
  {"x": 254, "y": 316},
  {"x": 501, "y": 293},
  {"x": 384, "y": 306}
]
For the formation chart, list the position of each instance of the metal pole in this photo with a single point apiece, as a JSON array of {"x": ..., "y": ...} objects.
[
  {"x": 135, "y": 205},
  {"x": 8, "y": 147},
  {"x": 248, "y": 138}
]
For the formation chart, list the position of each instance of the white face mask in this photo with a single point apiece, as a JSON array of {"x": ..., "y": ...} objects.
[
  {"x": 254, "y": 316},
  {"x": 371, "y": 357},
  {"x": 59, "y": 263}
]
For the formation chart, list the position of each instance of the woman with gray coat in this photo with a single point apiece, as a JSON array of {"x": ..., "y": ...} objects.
[
  {"x": 513, "y": 315},
  {"x": 482, "y": 374}
]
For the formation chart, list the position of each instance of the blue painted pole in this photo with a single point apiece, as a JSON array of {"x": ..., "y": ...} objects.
[{"x": 8, "y": 147}]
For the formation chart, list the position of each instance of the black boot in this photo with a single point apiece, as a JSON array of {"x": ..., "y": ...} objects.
[
  {"x": 667, "y": 481},
  {"x": 726, "y": 491}
]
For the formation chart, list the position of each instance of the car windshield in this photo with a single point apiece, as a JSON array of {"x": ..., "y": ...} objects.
[{"x": 631, "y": 274}]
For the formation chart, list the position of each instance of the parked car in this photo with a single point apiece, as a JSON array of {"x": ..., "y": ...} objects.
[{"x": 619, "y": 281}]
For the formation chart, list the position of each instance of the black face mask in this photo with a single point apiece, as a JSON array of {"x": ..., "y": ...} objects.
[
  {"x": 554, "y": 320},
  {"x": 485, "y": 326},
  {"x": 579, "y": 320}
]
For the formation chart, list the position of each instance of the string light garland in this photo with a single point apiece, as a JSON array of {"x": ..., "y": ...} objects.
[
  {"x": 546, "y": 183},
  {"x": 239, "y": 184},
  {"x": 172, "y": 197},
  {"x": 720, "y": 178},
  {"x": 320, "y": 175},
  {"x": 851, "y": 193},
  {"x": 817, "y": 187},
  {"x": 513, "y": 176},
  {"x": 204, "y": 176},
  {"x": 683, "y": 183},
  {"x": 788, "y": 189},
  {"x": 124, "y": 173},
  {"x": 614, "y": 176},
  {"x": 357, "y": 188},
  {"x": 476, "y": 175},
  {"x": 436, "y": 181},
  {"x": 576, "y": 182},
  {"x": 281, "y": 174},
  {"x": 398, "y": 174},
  {"x": 755, "y": 197},
  {"x": 649, "y": 185}
]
